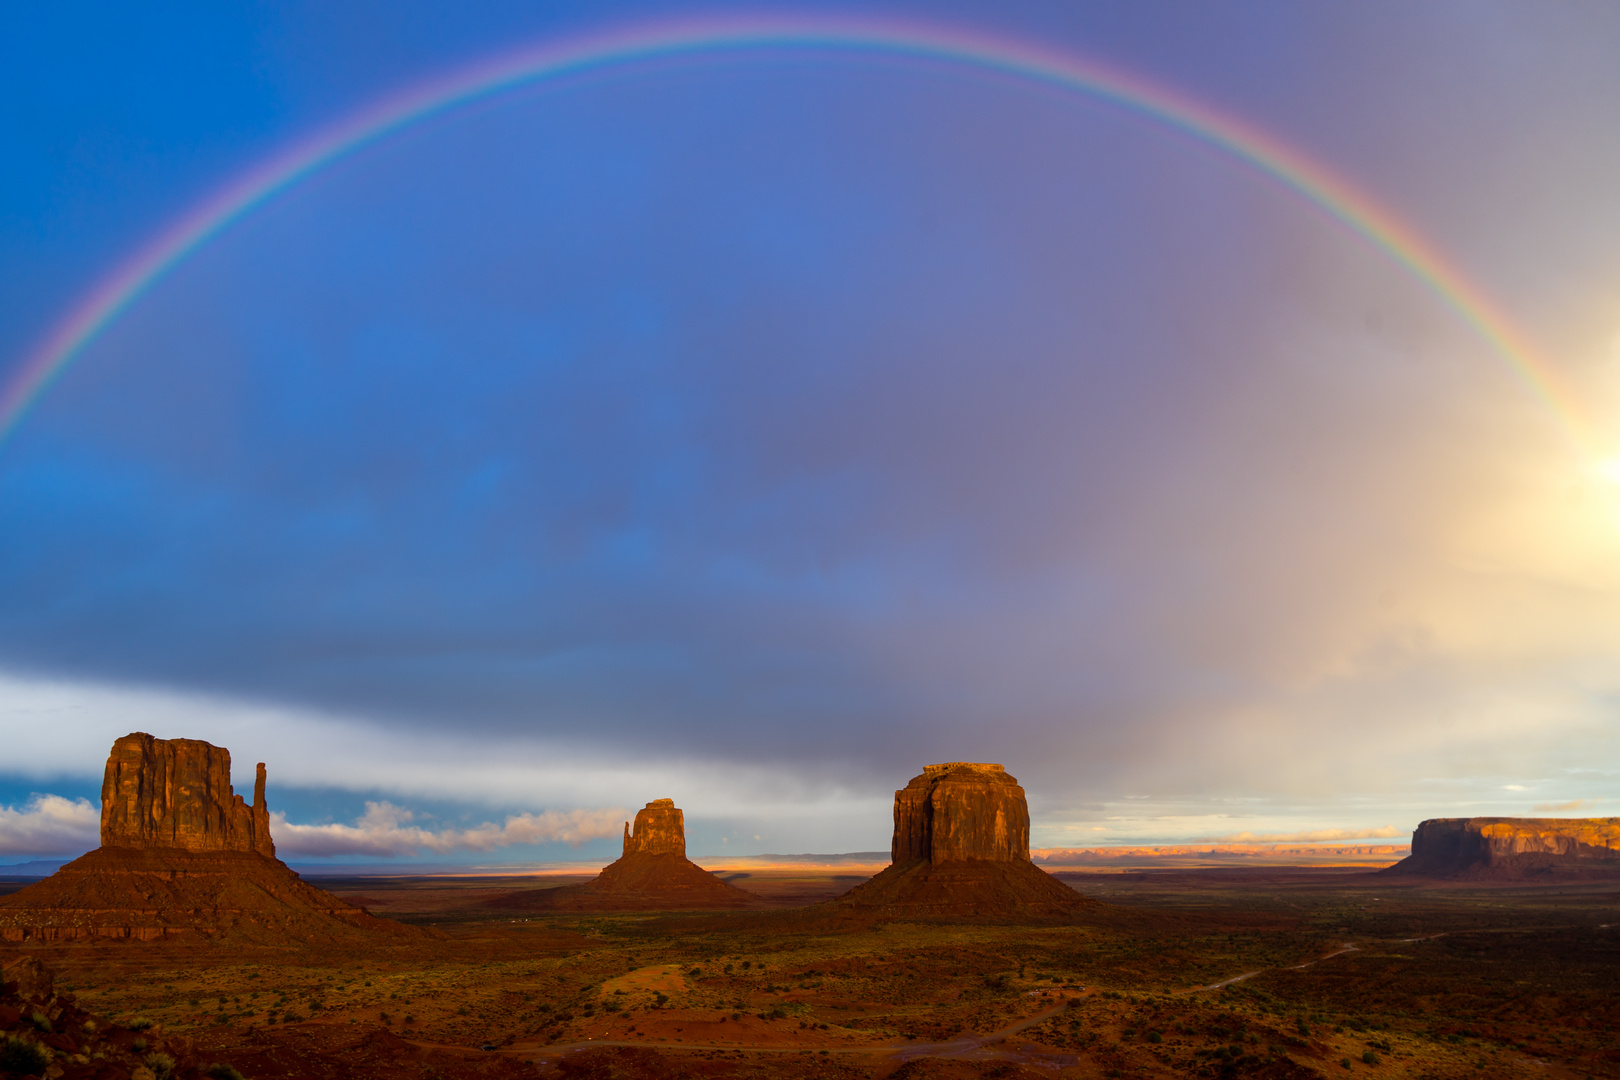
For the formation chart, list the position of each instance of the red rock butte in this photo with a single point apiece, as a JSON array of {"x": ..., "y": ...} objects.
[
  {"x": 652, "y": 874},
  {"x": 1484, "y": 848},
  {"x": 961, "y": 849},
  {"x": 181, "y": 855}
]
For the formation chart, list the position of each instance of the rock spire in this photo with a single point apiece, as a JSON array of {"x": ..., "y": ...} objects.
[{"x": 653, "y": 874}]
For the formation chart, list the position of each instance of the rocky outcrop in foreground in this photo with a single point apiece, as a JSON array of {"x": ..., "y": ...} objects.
[
  {"x": 961, "y": 849},
  {"x": 1513, "y": 848},
  {"x": 181, "y": 856},
  {"x": 653, "y": 874}
]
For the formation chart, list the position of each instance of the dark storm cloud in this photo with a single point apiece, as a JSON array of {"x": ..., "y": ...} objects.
[{"x": 826, "y": 415}]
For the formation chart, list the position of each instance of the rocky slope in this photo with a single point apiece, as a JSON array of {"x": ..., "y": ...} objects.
[
  {"x": 181, "y": 856},
  {"x": 1513, "y": 848},
  {"x": 652, "y": 874},
  {"x": 961, "y": 849}
]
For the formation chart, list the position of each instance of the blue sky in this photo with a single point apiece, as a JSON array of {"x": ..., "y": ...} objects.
[{"x": 755, "y": 430}]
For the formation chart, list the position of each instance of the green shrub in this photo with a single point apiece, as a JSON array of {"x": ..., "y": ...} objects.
[
  {"x": 162, "y": 1065},
  {"x": 41, "y": 1021},
  {"x": 23, "y": 1056},
  {"x": 1370, "y": 1057},
  {"x": 140, "y": 1023},
  {"x": 224, "y": 1072}
]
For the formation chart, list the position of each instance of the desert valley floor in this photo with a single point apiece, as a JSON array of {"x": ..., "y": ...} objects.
[{"x": 1279, "y": 972}]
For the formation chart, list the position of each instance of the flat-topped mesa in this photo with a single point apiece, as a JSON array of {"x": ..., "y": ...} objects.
[
  {"x": 1493, "y": 847},
  {"x": 176, "y": 793},
  {"x": 660, "y": 830},
  {"x": 961, "y": 811}
]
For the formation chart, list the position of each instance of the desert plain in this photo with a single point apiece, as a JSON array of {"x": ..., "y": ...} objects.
[
  {"x": 183, "y": 948},
  {"x": 1254, "y": 972}
]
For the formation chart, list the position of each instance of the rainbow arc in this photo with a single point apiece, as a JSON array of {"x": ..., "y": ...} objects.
[{"x": 1224, "y": 131}]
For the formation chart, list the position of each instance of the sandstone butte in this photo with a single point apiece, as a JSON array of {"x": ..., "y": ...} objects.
[
  {"x": 652, "y": 874},
  {"x": 181, "y": 855},
  {"x": 1513, "y": 848},
  {"x": 961, "y": 849}
]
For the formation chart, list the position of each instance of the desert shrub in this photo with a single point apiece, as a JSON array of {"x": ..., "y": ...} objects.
[
  {"x": 224, "y": 1072},
  {"x": 139, "y": 1045},
  {"x": 1154, "y": 1037},
  {"x": 1302, "y": 1027},
  {"x": 1370, "y": 1057},
  {"x": 162, "y": 1065},
  {"x": 140, "y": 1023},
  {"x": 23, "y": 1057},
  {"x": 41, "y": 1021}
]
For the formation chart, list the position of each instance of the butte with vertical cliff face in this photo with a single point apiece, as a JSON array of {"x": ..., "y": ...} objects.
[
  {"x": 1484, "y": 848},
  {"x": 652, "y": 874},
  {"x": 961, "y": 849},
  {"x": 181, "y": 855}
]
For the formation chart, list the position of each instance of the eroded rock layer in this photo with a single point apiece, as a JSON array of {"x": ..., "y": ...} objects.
[
  {"x": 653, "y": 874},
  {"x": 660, "y": 830},
  {"x": 1500, "y": 847},
  {"x": 961, "y": 849},
  {"x": 181, "y": 856},
  {"x": 176, "y": 793}
]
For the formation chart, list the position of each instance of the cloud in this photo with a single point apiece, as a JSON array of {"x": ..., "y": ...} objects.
[
  {"x": 1311, "y": 836},
  {"x": 1557, "y": 808},
  {"x": 49, "y": 825},
  {"x": 385, "y": 829}
]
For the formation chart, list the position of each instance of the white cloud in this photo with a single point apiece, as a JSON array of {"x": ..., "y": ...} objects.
[
  {"x": 49, "y": 825},
  {"x": 386, "y": 829}
]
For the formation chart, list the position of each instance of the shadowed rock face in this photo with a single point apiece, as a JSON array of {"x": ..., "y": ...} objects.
[
  {"x": 1496, "y": 847},
  {"x": 961, "y": 811},
  {"x": 176, "y": 793},
  {"x": 961, "y": 850},
  {"x": 660, "y": 830}
]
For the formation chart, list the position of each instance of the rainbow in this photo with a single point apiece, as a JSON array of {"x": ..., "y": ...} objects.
[{"x": 844, "y": 34}]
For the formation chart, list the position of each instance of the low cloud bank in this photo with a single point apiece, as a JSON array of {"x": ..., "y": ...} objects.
[
  {"x": 49, "y": 825},
  {"x": 1313, "y": 836},
  {"x": 386, "y": 829},
  {"x": 1565, "y": 807}
]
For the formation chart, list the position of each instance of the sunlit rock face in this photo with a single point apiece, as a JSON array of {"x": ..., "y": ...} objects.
[
  {"x": 1485, "y": 847},
  {"x": 660, "y": 830},
  {"x": 181, "y": 856},
  {"x": 176, "y": 793},
  {"x": 961, "y": 811}
]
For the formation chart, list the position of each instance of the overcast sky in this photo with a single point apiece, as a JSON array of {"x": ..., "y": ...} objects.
[{"x": 754, "y": 429}]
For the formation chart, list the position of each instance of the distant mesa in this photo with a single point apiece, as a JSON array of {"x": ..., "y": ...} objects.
[
  {"x": 653, "y": 874},
  {"x": 181, "y": 855},
  {"x": 1501, "y": 848},
  {"x": 960, "y": 849}
]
